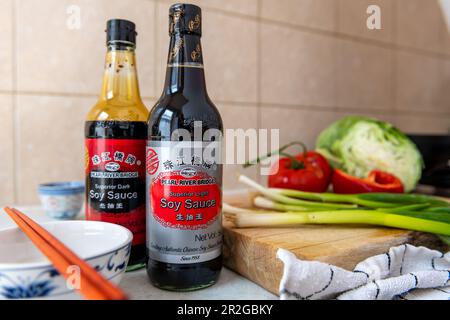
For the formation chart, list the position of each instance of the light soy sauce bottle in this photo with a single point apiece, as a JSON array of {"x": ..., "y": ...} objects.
[{"x": 184, "y": 223}]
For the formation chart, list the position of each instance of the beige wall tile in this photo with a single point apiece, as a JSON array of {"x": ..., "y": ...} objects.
[
  {"x": 297, "y": 124},
  {"x": 418, "y": 82},
  {"x": 306, "y": 124},
  {"x": 6, "y": 46},
  {"x": 419, "y": 24},
  {"x": 50, "y": 141},
  {"x": 364, "y": 77},
  {"x": 446, "y": 40},
  {"x": 149, "y": 102},
  {"x": 424, "y": 124},
  {"x": 297, "y": 67},
  {"x": 388, "y": 116},
  {"x": 308, "y": 79},
  {"x": 353, "y": 19},
  {"x": 320, "y": 14},
  {"x": 248, "y": 7},
  {"x": 237, "y": 117},
  {"x": 443, "y": 103},
  {"x": 6, "y": 150},
  {"x": 162, "y": 44},
  {"x": 444, "y": 27},
  {"x": 445, "y": 33},
  {"x": 53, "y": 58},
  {"x": 230, "y": 55}
]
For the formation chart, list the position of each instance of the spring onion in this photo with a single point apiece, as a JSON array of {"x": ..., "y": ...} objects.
[
  {"x": 278, "y": 196},
  {"x": 410, "y": 207},
  {"x": 439, "y": 209},
  {"x": 371, "y": 217},
  {"x": 333, "y": 197},
  {"x": 370, "y": 200},
  {"x": 404, "y": 199},
  {"x": 265, "y": 203},
  {"x": 285, "y": 207}
]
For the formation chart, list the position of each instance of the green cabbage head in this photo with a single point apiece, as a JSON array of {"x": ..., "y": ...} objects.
[{"x": 358, "y": 145}]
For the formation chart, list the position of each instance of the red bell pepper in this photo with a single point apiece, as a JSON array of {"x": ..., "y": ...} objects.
[{"x": 377, "y": 181}]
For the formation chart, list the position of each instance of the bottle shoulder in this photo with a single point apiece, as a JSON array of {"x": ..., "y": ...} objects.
[
  {"x": 179, "y": 107},
  {"x": 114, "y": 110}
]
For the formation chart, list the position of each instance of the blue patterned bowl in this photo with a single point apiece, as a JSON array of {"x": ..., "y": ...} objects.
[
  {"x": 25, "y": 273},
  {"x": 62, "y": 200}
]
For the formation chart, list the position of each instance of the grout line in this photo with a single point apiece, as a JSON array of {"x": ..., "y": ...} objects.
[
  {"x": 258, "y": 72},
  {"x": 156, "y": 48},
  {"x": 258, "y": 104},
  {"x": 258, "y": 67},
  {"x": 59, "y": 94},
  {"x": 381, "y": 111},
  {"x": 334, "y": 34},
  {"x": 88, "y": 95},
  {"x": 222, "y": 11},
  {"x": 337, "y": 56},
  {"x": 15, "y": 113},
  {"x": 43, "y": 93},
  {"x": 394, "y": 63},
  {"x": 260, "y": 20},
  {"x": 358, "y": 39},
  {"x": 337, "y": 13}
]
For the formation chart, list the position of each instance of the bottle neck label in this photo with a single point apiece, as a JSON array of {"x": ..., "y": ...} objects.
[{"x": 185, "y": 51}]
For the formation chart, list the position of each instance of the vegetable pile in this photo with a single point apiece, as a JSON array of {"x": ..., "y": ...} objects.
[
  {"x": 355, "y": 154},
  {"x": 370, "y": 165},
  {"x": 357, "y": 145},
  {"x": 289, "y": 207}
]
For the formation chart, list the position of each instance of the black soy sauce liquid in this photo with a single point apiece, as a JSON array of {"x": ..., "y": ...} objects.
[
  {"x": 121, "y": 130},
  {"x": 183, "y": 101},
  {"x": 172, "y": 112}
]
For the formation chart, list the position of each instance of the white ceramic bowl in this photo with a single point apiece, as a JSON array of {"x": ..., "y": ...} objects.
[{"x": 26, "y": 273}]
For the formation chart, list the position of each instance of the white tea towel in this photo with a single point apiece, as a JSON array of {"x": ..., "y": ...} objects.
[{"x": 405, "y": 272}]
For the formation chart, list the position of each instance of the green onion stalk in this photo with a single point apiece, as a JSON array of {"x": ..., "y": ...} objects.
[
  {"x": 265, "y": 203},
  {"x": 369, "y": 200},
  {"x": 371, "y": 217},
  {"x": 277, "y": 196}
]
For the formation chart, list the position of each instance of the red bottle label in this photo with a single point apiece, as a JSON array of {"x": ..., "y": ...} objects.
[
  {"x": 115, "y": 183},
  {"x": 193, "y": 202},
  {"x": 184, "y": 221}
]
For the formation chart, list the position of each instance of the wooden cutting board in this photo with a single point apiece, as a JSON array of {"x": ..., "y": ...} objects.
[{"x": 251, "y": 252}]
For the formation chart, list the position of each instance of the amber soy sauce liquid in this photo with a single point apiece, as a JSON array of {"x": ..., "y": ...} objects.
[{"x": 115, "y": 139}]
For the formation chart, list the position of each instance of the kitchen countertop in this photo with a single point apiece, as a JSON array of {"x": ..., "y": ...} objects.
[{"x": 230, "y": 286}]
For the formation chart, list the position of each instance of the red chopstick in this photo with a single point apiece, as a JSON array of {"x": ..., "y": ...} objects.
[{"x": 93, "y": 285}]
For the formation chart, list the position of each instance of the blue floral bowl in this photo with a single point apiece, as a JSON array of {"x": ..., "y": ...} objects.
[
  {"x": 25, "y": 273},
  {"x": 62, "y": 200}
]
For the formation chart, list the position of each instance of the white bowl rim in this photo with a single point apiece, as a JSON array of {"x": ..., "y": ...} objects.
[{"x": 43, "y": 264}]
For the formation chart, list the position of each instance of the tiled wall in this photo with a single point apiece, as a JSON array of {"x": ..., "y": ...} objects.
[{"x": 296, "y": 65}]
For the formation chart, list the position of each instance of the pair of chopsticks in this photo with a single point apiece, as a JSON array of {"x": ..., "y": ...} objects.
[{"x": 93, "y": 285}]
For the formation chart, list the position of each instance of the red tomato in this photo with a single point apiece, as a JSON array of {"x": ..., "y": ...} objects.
[{"x": 312, "y": 173}]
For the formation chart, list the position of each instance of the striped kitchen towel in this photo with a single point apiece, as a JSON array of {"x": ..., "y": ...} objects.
[{"x": 405, "y": 272}]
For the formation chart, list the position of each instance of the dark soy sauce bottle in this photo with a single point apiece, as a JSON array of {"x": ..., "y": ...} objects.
[
  {"x": 115, "y": 139},
  {"x": 184, "y": 243}
]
